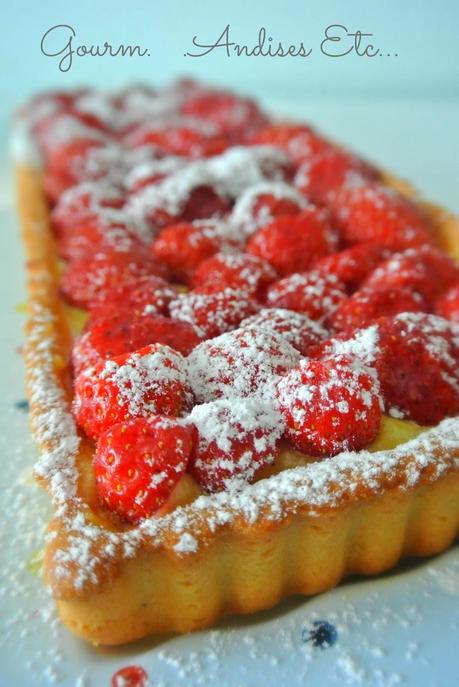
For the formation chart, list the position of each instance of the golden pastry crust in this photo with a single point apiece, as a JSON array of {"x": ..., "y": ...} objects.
[{"x": 300, "y": 531}]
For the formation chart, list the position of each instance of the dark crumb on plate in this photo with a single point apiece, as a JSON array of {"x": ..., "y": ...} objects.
[{"x": 322, "y": 634}]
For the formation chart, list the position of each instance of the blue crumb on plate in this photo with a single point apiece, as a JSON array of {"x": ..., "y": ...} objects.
[
  {"x": 22, "y": 405},
  {"x": 322, "y": 634}
]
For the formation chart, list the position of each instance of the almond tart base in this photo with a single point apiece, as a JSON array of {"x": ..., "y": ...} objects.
[{"x": 298, "y": 532}]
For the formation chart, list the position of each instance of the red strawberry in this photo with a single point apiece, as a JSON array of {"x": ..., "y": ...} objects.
[
  {"x": 187, "y": 141},
  {"x": 330, "y": 405},
  {"x": 125, "y": 332},
  {"x": 261, "y": 203},
  {"x": 448, "y": 305},
  {"x": 236, "y": 271},
  {"x": 321, "y": 176},
  {"x": 368, "y": 304},
  {"x": 141, "y": 296},
  {"x": 418, "y": 366},
  {"x": 203, "y": 202},
  {"x": 294, "y": 243},
  {"x": 353, "y": 265},
  {"x": 232, "y": 115},
  {"x": 150, "y": 381},
  {"x": 138, "y": 463},
  {"x": 84, "y": 202},
  {"x": 371, "y": 211},
  {"x": 312, "y": 293},
  {"x": 235, "y": 439},
  {"x": 96, "y": 234},
  {"x": 425, "y": 269},
  {"x": 214, "y": 313},
  {"x": 69, "y": 159},
  {"x": 87, "y": 279},
  {"x": 182, "y": 247},
  {"x": 301, "y": 332},
  {"x": 239, "y": 364},
  {"x": 299, "y": 141}
]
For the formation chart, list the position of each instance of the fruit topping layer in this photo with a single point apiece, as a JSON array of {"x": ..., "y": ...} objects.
[{"x": 256, "y": 296}]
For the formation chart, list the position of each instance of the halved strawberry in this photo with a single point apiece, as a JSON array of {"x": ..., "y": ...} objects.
[
  {"x": 138, "y": 463},
  {"x": 234, "y": 440},
  {"x": 84, "y": 202},
  {"x": 293, "y": 243},
  {"x": 299, "y": 141},
  {"x": 239, "y": 364},
  {"x": 235, "y": 271},
  {"x": 150, "y": 381},
  {"x": 368, "y": 304},
  {"x": 313, "y": 293},
  {"x": 353, "y": 265},
  {"x": 183, "y": 247},
  {"x": 85, "y": 280},
  {"x": 322, "y": 175},
  {"x": 261, "y": 203},
  {"x": 418, "y": 366},
  {"x": 370, "y": 211},
  {"x": 233, "y": 116},
  {"x": 146, "y": 295},
  {"x": 188, "y": 141},
  {"x": 425, "y": 269},
  {"x": 97, "y": 234},
  {"x": 117, "y": 334},
  {"x": 214, "y": 313},
  {"x": 299, "y": 330},
  {"x": 330, "y": 405}
]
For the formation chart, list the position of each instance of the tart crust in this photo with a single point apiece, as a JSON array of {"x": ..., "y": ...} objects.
[{"x": 297, "y": 532}]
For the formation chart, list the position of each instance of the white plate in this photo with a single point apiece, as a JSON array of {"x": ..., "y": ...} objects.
[{"x": 398, "y": 629}]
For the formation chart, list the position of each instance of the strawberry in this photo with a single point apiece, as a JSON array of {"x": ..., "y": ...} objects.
[
  {"x": 330, "y": 405},
  {"x": 186, "y": 141},
  {"x": 315, "y": 294},
  {"x": 150, "y": 381},
  {"x": 125, "y": 332},
  {"x": 140, "y": 296},
  {"x": 214, "y": 313},
  {"x": 370, "y": 211},
  {"x": 138, "y": 463},
  {"x": 448, "y": 305},
  {"x": 235, "y": 439},
  {"x": 84, "y": 202},
  {"x": 57, "y": 133},
  {"x": 80, "y": 241},
  {"x": 86, "y": 280},
  {"x": 293, "y": 243},
  {"x": 353, "y": 265},
  {"x": 322, "y": 175},
  {"x": 239, "y": 364},
  {"x": 183, "y": 247},
  {"x": 261, "y": 203},
  {"x": 299, "y": 141},
  {"x": 369, "y": 304},
  {"x": 301, "y": 332},
  {"x": 425, "y": 269},
  {"x": 233, "y": 116},
  {"x": 418, "y": 366},
  {"x": 68, "y": 161},
  {"x": 235, "y": 271},
  {"x": 203, "y": 202}
]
